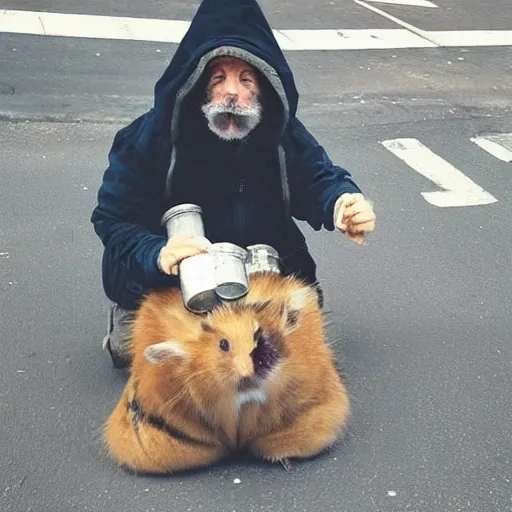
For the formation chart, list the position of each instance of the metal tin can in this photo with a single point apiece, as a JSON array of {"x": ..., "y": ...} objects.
[
  {"x": 183, "y": 219},
  {"x": 262, "y": 258},
  {"x": 230, "y": 271},
  {"x": 197, "y": 280}
]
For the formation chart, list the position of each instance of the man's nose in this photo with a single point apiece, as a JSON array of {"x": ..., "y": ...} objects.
[{"x": 231, "y": 87}]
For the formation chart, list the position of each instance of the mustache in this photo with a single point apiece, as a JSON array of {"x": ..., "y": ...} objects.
[
  {"x": 230, "y": 107},
  {"x": 246, "y": 118}
]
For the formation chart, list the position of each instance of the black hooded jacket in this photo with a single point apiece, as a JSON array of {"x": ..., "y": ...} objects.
[{"x": 250, "y": 190}]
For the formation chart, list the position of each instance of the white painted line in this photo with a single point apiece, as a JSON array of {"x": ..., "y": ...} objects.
[
  {"x": 172, "y": 31},
  {"x": 470, "y": 37},
  {"x": 450, "y": 38},
  {"x": 414, "y": 3},
  {"x": 92, "y": 26},
  {"x": 354, "y": 39},
  {"x": 398, "y": 21},
  {"x": 499, "y": 146},
  {"x": 20, "y": 22},
  {"x": 458, "y": 189}
]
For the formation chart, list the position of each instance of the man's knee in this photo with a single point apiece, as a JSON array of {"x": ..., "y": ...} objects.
[
  {"x": 119, "y": 334},
  {"x": 320, "y": 294}
]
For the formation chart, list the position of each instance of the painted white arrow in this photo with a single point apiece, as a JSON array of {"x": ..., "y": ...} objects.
[
  {"x": 457, "y": 189},
  {"x": 415, "y": 3},
  {"x": 498, "y": 145}
]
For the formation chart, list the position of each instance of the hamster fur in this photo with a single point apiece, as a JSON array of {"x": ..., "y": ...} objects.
[{"x": 252, "y": 375}]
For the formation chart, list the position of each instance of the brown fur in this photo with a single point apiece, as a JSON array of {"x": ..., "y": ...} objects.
[{"x": 193, "y": 383}]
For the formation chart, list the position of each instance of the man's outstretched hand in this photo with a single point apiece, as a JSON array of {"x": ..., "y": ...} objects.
[
  {"x": 178, "y": 248},
  {"x": 354, "y": 216}
]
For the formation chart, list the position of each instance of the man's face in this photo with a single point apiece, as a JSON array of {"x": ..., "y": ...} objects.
[{"x": 232, "y": 107}]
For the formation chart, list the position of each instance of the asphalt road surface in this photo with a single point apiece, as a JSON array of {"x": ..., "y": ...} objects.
[{"x": 423, "y": 309}]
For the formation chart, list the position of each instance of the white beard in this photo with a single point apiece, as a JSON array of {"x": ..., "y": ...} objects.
[{"x": 219, "y": 117}]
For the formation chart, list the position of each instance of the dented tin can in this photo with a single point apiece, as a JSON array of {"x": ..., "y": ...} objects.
[
  {"x": 262, "y": 258},
  {"x": 198, "y": 283},
  {"x": 184, "y": 219},
  {"x": 230, "y": 270}
]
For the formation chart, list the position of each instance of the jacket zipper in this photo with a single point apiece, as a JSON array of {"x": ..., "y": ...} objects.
[
  {"x": 238, "y": 199},
  {"x": 240, "y": 211}
]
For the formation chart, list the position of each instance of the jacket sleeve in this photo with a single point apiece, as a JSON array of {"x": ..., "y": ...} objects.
[
  {"x": 315, "y": 182},
  {"x": 127, "y": 220}
]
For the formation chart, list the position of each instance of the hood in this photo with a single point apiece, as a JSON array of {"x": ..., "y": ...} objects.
[{"x": 236, "y": 28}]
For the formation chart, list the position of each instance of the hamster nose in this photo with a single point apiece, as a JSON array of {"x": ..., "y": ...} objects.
[{"x": 244, "y": 367}]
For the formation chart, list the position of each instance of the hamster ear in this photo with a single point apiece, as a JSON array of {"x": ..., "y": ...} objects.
[
  {"x": 260, "y": 306},
  {"x": 164, "y": 351},
  {"x": 297, "y": 301}
]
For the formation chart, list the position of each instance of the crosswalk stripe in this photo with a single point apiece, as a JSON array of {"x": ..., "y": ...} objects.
[
  {"x": 499, "y": 145},
  {"x": 458, "y": 189},
  {"x": 414, "y": 3},
  {"x": 172, "y": 31}
]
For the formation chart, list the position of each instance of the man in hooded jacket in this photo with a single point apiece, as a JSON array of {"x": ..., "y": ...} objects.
[{"x": 252, "y": 167}]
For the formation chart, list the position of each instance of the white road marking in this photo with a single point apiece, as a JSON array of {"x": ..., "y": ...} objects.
[
  {"x": 398, "y": 21},
  {"x": 498, "y": 145},
  {"x": 457, "y": 38},
  {"x": 458, "y": 189},
  {"x": 92, "y": 26},
  {"x": 449, "y": 38},
  {"x": 172, "y": 31},
  {"x": 414, "y": 3},
  {"x": 350, "y": 39}
]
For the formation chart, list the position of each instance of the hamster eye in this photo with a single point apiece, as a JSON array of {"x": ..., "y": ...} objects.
[{"x": 224, "y": 345}]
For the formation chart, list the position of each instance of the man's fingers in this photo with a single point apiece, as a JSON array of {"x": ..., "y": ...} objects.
[
  {"x": 345, "y": 202},
  {"x": 183, "y": 246},
  {"x": 339, "y": 218},
  {"x": 180, "y": 247},
  {"x": 362, "y": 218},
  {"x": 354, "y": 216},
  {"x": 201, "y": 241},
  {"x": 365, "y": 227},
  {"x": 186, "y": 251},
  {"x": 189, "y": 240},
  {"x": 360, "y": 207}
]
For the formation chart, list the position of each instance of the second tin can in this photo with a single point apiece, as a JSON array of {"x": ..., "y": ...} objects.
[{"x": 230, "y": 271}]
